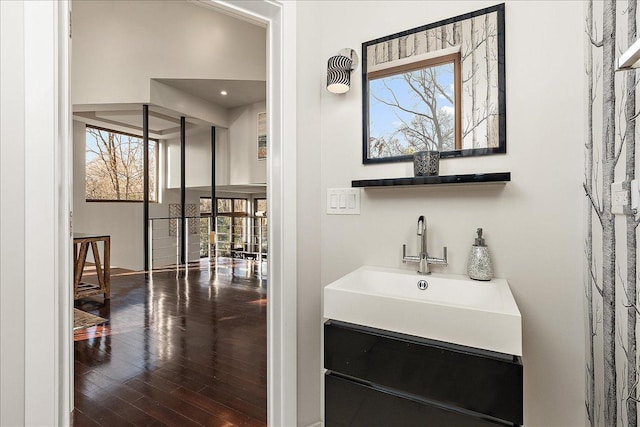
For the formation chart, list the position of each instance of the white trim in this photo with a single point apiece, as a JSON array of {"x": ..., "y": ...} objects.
[
  {"x": 280, "y": 18},
  {"x": 283, "y": 358},
  {"x": 12, "y": 221},
  {"x": 230, "y": 10},
  {"x": 64, "y": 207},
  {"x": 47, "y": 313},
  {"x": 414, "y": 58}
]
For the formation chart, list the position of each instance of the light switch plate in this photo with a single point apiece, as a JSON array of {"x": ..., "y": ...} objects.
[
  {"x": 343, "y": 201},
  {"x": 622, "y": 198}
]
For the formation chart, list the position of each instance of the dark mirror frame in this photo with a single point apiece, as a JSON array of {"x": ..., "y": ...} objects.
[{"x": 502, "y": 113}]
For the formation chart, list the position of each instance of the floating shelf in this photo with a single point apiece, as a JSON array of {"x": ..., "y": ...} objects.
[{"x": 472, "y": 178}]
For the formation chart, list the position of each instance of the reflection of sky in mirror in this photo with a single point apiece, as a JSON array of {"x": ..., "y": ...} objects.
[{"x": 384, "y": 120}]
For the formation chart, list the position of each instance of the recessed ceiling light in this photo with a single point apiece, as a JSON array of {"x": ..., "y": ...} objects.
[{"x": 223, "y": 92}]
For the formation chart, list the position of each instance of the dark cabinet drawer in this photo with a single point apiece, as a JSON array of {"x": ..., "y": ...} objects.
[
  {"x": 474, "y": 380},
  {"x": 353, "y": 404}
]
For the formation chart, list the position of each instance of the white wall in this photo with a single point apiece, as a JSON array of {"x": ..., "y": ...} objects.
[
  {"x": 159, "y": 45},
  {"x": 198, "y": 158},
  {"x": 309, "y": 215},
  {"x": 531, "y": 223},
  {"x": 245, "y": 168}
]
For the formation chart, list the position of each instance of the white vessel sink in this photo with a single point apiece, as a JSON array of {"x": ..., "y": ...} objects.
[{"x": 452, "y": 309}]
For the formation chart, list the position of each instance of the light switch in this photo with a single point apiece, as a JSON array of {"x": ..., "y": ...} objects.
[
  {"x": 343, "y": 201},
  {"x": 352, "y": 201}
]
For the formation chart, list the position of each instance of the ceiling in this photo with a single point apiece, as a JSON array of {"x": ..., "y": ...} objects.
[
  {"x": 165, "y": 124},
  {"x": 162, "y": 125},
  {"x": 239, "y": 92}
]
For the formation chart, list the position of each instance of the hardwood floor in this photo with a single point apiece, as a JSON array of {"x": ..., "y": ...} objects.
[{"x": 180, "y": 349}]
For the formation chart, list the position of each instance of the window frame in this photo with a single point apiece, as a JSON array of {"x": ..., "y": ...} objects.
[
  {"x": 451, "y": 58},
  {"x": 233, "y": 212},
  {"x": 156, "y": 167}
]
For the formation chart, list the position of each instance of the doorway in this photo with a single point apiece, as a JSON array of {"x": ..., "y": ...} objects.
[
  {"x": 281, "y": 323},
  {"x": 185, "y": 339}
]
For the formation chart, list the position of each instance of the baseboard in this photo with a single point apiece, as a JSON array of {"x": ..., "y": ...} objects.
[{"x": 318, "y": 424}]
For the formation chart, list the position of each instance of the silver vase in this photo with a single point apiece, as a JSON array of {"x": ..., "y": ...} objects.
[{"x": 426, "y": 163}]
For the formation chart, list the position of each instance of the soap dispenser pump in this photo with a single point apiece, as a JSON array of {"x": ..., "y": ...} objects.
[{"x": 479, "y": 264}]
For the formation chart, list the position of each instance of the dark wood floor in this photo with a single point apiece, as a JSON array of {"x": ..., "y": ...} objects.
[{"x": 178, "y": 350}]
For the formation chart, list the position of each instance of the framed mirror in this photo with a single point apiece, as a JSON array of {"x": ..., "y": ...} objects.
[{"x": 437, "y": 87}]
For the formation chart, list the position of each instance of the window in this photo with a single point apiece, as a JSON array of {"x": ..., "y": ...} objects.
[
  {"x": 232, "y": 225},
  {"x": 261, "y": 231},
  {"x": 238, "y": 233},
  {"x": 415, "y": 107},
  {"x": 232, "y": 238},
  {"x": 205, "y": 206},
  {"x": 205, "y": 226},
  {"x": 261, "y": 207},
  {"x": 114, "y": 166}
]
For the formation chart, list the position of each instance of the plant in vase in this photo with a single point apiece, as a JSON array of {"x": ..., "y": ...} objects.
[{"x": 427, "y": 162}]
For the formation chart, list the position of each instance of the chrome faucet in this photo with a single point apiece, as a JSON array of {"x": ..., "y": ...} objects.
[{"x": 423, "y": 259}]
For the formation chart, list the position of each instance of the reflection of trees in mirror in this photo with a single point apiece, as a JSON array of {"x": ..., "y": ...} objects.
[
  {"x": 482, "y": 32},
  {"x": 114, "y": 166},
  {"x": 414, "y": 111}
]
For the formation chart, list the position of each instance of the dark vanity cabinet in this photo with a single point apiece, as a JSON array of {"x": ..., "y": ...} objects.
[{"x": 383, "y": 378}]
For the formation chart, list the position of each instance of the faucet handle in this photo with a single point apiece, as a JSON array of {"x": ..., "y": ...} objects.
[
  {"x": 408, "y": 258},
  {"x": 444, "y": 256}
]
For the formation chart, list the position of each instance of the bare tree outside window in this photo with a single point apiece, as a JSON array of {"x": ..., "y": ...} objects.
[
  {"x": 114, "y": 166},
  {"x": 413, "y": 110}
]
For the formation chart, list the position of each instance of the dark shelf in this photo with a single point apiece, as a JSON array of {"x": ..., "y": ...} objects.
[{"x": 496, "y": 177}]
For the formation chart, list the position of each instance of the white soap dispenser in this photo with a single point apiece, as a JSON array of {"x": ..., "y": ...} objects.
[{"x": 479, "y": 264}]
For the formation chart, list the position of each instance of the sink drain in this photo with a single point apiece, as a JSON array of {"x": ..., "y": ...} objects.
[{"x": 422, "y": 285}]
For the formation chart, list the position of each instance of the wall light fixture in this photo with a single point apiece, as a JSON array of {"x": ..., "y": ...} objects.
[{"x": 339, "y": 68}]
